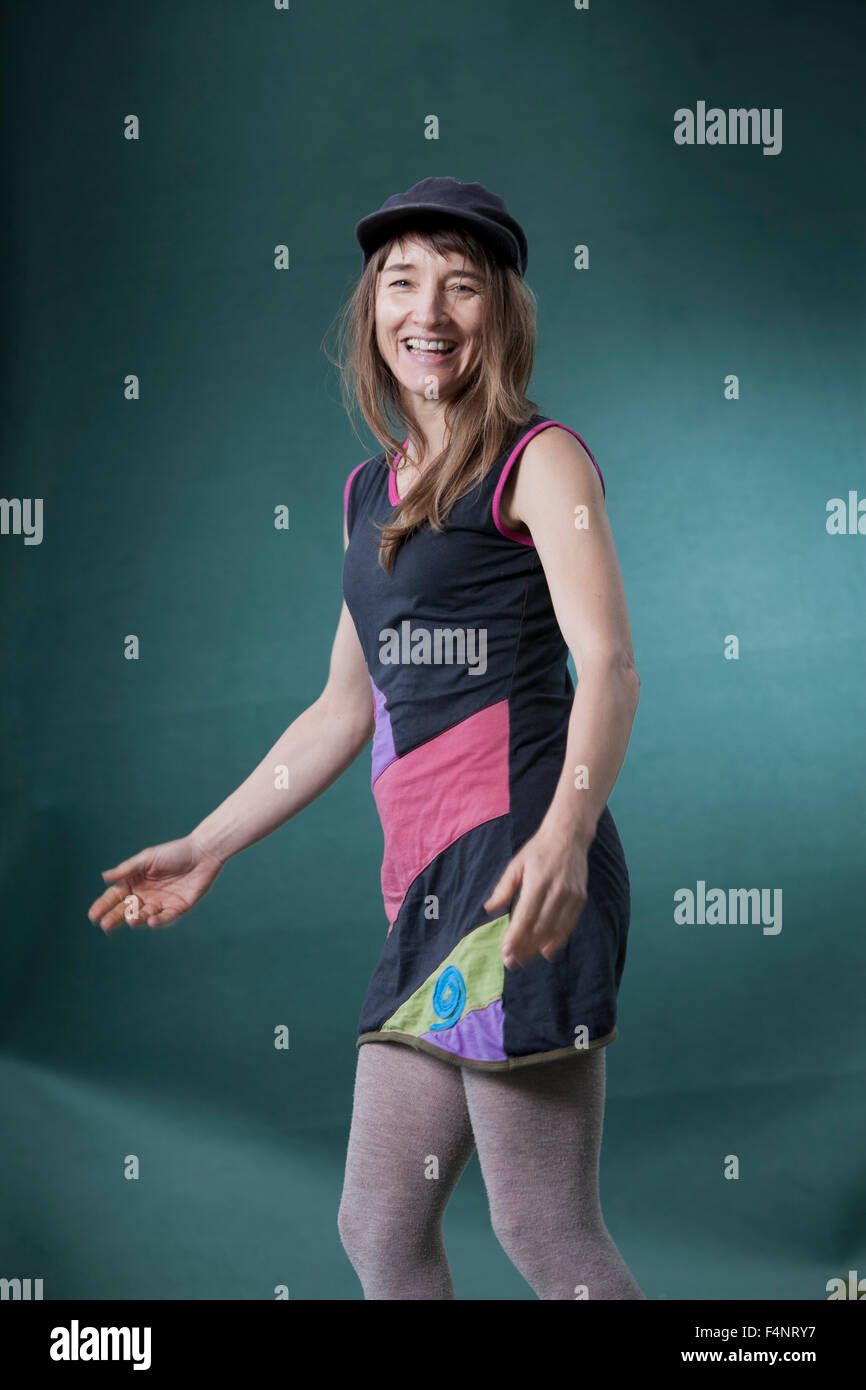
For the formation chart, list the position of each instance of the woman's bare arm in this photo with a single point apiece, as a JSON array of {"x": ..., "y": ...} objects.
[
  {"x": 159, "y": 883},
  {"x": 556, "y": 483},
  {"x": 555, "y": 478}
]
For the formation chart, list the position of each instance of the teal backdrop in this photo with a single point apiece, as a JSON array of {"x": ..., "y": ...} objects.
[{"x": 155, "y": 256}]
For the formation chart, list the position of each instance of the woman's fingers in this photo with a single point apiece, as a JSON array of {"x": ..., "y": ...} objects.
[
  {"x": 517, "y": 945},
  {"x": 135, "y": 912},
  {"x": 162, "y": 918},
  {"x": 128, "y": 867},
  {"x": 506, "y": 887},
  {"x": 543, "y": 928},
  {"x": 556, "y": 925},
  {"x": 118, "y": 890},
  {"x": 106, "y": 904},
  {"x": 130, "y": 910},
  {"x": 117, "y": 917},
  {"x": 155, "y": 886},
  {"x": 119, "y": 903},
  {"x": 554, "y": 944}
]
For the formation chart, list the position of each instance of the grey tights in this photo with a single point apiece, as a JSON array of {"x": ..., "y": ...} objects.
[{"x": 415, "y": 1123}]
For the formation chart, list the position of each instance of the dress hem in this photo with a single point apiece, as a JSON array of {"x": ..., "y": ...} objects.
[{"x": 508, "y": 1064}]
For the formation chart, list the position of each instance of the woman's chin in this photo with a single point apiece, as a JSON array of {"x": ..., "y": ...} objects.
[{"x": 418, "y": 383}]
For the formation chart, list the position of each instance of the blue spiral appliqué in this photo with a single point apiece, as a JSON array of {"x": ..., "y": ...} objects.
[{"x": 449, "y": 997}]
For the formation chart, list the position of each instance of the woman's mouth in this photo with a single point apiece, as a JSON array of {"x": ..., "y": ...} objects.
[{"x": 429, "y": 349}]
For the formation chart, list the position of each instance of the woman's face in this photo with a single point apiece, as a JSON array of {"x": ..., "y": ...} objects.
[{"x": 424, "y": 302}]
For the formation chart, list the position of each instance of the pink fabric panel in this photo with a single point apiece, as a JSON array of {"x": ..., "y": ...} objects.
[
  {"x": 430, "y": 797},
  {"x": 509, "y": 464}
]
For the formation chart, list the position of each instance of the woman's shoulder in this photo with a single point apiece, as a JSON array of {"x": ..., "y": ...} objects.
[
  {"x": 362, "y": 481},
  {"x": 545, "y": 443},
  {"x": 548, "y": 440}
]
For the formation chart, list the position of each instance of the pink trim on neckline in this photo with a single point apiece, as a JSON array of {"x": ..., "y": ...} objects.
[
  {"x": 347, "y": 488},
  {"x": 509, "y": 464},
  {"x": 393, "y": 496}
]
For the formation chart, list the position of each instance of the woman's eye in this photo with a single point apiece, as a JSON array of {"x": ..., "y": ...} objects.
[{"x": 468, "y": 288}]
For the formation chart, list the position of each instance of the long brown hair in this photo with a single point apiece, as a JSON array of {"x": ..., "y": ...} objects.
[{"x": 479, "y": 421}]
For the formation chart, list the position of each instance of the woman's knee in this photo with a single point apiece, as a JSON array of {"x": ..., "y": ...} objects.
[
  {"x": 371, "y": 1236},
  {"x": 529, "y": 1230}
]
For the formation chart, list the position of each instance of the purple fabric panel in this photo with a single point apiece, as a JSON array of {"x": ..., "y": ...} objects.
[
  {"x": 383, "y": 736},
  {"x": 477, "y": 1037}
]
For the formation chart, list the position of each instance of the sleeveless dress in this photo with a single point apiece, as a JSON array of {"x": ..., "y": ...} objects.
[{"x": 472, "y": 700}]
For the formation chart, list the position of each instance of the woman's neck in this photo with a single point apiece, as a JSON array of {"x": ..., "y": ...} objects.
[{"x": 431, "y": 424}]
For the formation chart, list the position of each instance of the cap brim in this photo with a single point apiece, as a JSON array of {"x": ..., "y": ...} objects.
[{"x": 371, "y": 231}]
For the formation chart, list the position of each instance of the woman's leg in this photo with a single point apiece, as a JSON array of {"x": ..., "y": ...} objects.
[
  {"x": 409, "y": 1141},
  {"x": 538, "y": 1130}
]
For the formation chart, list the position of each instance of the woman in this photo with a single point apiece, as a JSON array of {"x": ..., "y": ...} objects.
[{"x": 477, "y": 554}]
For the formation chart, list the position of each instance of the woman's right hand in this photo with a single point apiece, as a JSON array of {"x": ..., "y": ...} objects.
[{"x": 166, "y": 879}]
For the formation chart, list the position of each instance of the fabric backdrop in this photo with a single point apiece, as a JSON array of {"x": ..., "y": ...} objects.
[{"x": 701, "y": 317}]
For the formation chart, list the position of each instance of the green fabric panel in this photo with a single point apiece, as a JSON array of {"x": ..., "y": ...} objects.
[{"x": 478, "y": 959}]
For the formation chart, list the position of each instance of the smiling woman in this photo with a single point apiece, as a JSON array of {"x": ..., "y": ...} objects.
[
  {"x": 401, "y": 278},
  {"x": 435, "y": 279},
  {"x": 477, "y": 554},
  {"x": 504, "y": 880}
]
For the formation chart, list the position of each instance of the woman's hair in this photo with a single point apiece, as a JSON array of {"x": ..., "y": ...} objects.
[{"x": 480, "y": 420}]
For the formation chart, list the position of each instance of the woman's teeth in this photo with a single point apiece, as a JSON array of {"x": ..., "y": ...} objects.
[{"x": 430, "y": 347}]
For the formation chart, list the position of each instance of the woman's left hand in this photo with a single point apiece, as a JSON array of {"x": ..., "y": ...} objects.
[{"x": 551, "y": 873}]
